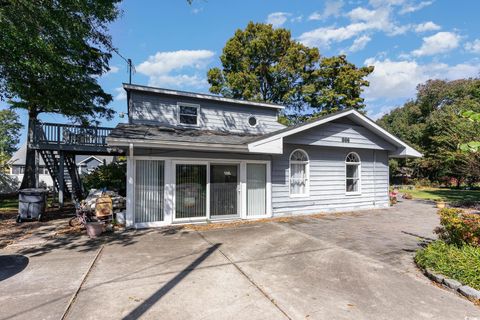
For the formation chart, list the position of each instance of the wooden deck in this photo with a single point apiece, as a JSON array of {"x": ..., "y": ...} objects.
[{"x": 72, "y": 138}]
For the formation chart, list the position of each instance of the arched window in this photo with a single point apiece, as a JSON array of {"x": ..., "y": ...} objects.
[
  {"x": 299, "y": 172},
  {"x": 352, "y": 171}
]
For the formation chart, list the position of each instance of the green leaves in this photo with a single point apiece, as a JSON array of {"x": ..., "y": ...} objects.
[
  {"x": 265, "y": 64},
  {"x": 9, "y": 133},
  {"x": 51, "y": 54}
]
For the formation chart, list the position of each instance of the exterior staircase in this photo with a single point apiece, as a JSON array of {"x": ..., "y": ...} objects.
[{"x": 72, "y": 184}]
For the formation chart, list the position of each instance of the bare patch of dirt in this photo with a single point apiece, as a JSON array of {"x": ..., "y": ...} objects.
[{"x": 55, "y": 220}]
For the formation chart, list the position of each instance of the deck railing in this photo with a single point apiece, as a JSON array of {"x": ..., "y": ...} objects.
[{"x": 72, "y": 135}]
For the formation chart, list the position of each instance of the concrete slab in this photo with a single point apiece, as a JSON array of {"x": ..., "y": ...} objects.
[
  {"x": 44, "y": 288},
  {"x": 355, "y": 266},
  {"x": 177, "y": 276}
]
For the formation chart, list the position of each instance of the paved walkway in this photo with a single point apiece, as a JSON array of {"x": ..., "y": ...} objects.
[{"x": 346, "y": 266}]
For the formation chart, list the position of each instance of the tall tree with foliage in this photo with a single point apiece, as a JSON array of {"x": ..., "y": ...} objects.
[
  {"x": 51, "y": 55},
  {"x": 10, "y": 127},
  {"x": 433, "y": 124},
  {"x": 263, "y": 63}
]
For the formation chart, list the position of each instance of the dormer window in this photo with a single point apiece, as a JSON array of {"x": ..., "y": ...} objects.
[{"x": 188, "y": 114}]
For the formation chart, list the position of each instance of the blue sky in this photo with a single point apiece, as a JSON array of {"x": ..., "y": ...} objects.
[{"x": 173, "y": 44}]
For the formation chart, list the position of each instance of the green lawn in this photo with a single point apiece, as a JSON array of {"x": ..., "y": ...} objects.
[
  {"x": 444, "y": 194},
  {"x": 8, "y": 204}
]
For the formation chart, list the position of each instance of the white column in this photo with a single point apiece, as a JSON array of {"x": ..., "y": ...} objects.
[
  {"x": 269, "y": 189},
  {"x": 130, "y": 188},
  {"x": 243, "y": 189},
  {"x": 169, "y": 191}
]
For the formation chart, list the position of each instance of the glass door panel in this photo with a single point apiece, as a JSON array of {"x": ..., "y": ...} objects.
[
  {"x": 190, "y": 191},
  {"x": 223, "y": 190},
  {"x": 149, "y": 190},
  {"x": 256, "y": 189}
]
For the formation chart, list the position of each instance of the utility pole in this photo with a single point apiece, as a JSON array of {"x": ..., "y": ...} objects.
[{"x": 129, "y": 62}]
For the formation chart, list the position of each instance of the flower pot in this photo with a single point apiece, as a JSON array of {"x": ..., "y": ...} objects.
[
  {"x": 94, "y": 229},
  {"x": 441, "y": 204}
]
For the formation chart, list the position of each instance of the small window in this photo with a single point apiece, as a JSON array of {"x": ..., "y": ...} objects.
[
  {"x": 352, "y": 173},
  {"x": 252, "y": 121},
  {"x": 188, "y": 114},
  {"x": 299, "y": 173}
]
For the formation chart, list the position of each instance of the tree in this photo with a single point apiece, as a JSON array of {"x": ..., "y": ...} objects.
[
  {"x": 432, "y": 124},
  {"x": 51, "y": 54},
  {"x": 336, "y": 84},
  {"x": 471, "y": 146},
  {"x": 10, "y": 127},
  {"x": 263, "y": 63}
]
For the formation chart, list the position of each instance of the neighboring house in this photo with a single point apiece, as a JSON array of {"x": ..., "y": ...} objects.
[
  {"x": 85, "y": 164},
  {"x": 198, "y": 157}
]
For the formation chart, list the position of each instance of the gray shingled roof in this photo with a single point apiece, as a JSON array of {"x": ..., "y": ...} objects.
[{"x": 158, "y": 133}]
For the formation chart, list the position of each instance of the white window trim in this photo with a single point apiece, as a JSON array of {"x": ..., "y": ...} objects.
[
  {"x": 256, "y": 120},
  {"x": 184, "y": 104},
  {"x": 307, "y": 175},
  {"x": 359, "y": 163}
]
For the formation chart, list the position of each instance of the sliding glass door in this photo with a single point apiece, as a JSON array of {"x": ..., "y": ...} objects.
[
  {"x": 256, "y": 189},
  {"x": 149, "y": 191},
  {"x": 224, "y": 190},
  {"x": 190, "y": 191}
]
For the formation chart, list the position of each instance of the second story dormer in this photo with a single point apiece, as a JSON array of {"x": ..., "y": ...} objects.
[{"x": 179, "y": 109}]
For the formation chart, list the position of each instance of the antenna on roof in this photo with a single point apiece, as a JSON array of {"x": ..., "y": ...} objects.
[{"x": 130, "y": 66}]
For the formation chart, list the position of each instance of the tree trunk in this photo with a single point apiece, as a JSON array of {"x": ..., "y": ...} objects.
[{"x": 29, "y": 175}]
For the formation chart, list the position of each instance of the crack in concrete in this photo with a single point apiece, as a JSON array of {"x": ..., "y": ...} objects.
[
  {"x": 84, "y": 279},
  {"x": 272, "y": 301}
]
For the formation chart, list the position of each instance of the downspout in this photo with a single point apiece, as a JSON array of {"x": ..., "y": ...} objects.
[{"x": 374, "y": 178}]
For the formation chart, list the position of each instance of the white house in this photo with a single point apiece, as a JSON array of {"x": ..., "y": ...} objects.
[{"x": 199, "y": 157}]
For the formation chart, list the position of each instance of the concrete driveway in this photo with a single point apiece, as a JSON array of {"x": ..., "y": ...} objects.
[{"x": 343, "y": 266}]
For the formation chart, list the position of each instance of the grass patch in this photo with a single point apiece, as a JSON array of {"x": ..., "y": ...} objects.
[
  {"x": 459, "y": 263},
  {"x": 9, "y": 204},
  {"x": 445, "y": 194}
]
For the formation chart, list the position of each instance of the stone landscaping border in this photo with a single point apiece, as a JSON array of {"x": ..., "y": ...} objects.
[{"x": 467, "y": 291}]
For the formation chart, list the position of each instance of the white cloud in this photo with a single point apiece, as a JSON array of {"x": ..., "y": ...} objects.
[
  {"x": 412, "y": 7},
  {"x": 382, "y": 3},
  {"x": 427, "y": 26},
  {"x": 440, "y": 42},
  {"x": 176, "y": 68},
  {"x": 113, "y": 69},
  {"x": 398, "y": 79},
  {"x": 297, "y": 18},
  {"x": 120, "y": 94},
  {"x": 362, "y": 20},
  {"x": 473, "y": 46},
  {"x": 332, "y": 9},
  {"x": 277, "y": 19},
  {"x": 359, "y": 43}
]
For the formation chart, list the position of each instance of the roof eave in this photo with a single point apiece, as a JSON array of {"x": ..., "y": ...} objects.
[{"x": 194, "y": 95}]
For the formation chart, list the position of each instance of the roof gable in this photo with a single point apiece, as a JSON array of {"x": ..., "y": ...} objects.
[{"x": 267, "y": 142}]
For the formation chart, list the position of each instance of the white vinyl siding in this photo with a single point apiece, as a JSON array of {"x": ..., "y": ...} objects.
[
  {"x": 157, "y": 109},
  {"x": 256, "y": 189},
  {"x": 149, "y": 191},
  {"x": 327, "y": 181}
]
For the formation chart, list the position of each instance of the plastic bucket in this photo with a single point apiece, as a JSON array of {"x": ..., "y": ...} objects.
[{"x": 94, "y": 229}]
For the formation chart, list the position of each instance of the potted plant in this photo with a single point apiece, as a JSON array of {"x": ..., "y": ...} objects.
[{"x": 441, "y": 204}]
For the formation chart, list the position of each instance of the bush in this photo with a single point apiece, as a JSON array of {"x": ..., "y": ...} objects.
[
  {"x": 459, "y": 227},
  {"x": 422, "y": 183},
  {"x": 111, "y": 176},
  {"x": 459, "y": 263}
]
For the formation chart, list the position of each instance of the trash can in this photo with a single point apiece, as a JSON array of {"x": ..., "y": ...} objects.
[{"x": 31, "y": 204}]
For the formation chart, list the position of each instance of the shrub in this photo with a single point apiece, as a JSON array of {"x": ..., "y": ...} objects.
[
  {"x": 460, "y": 263},
  {"x": 422, "y": 183},
  {"x": 111, "y": 176},
  {"x": 459, "y": 227}
]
